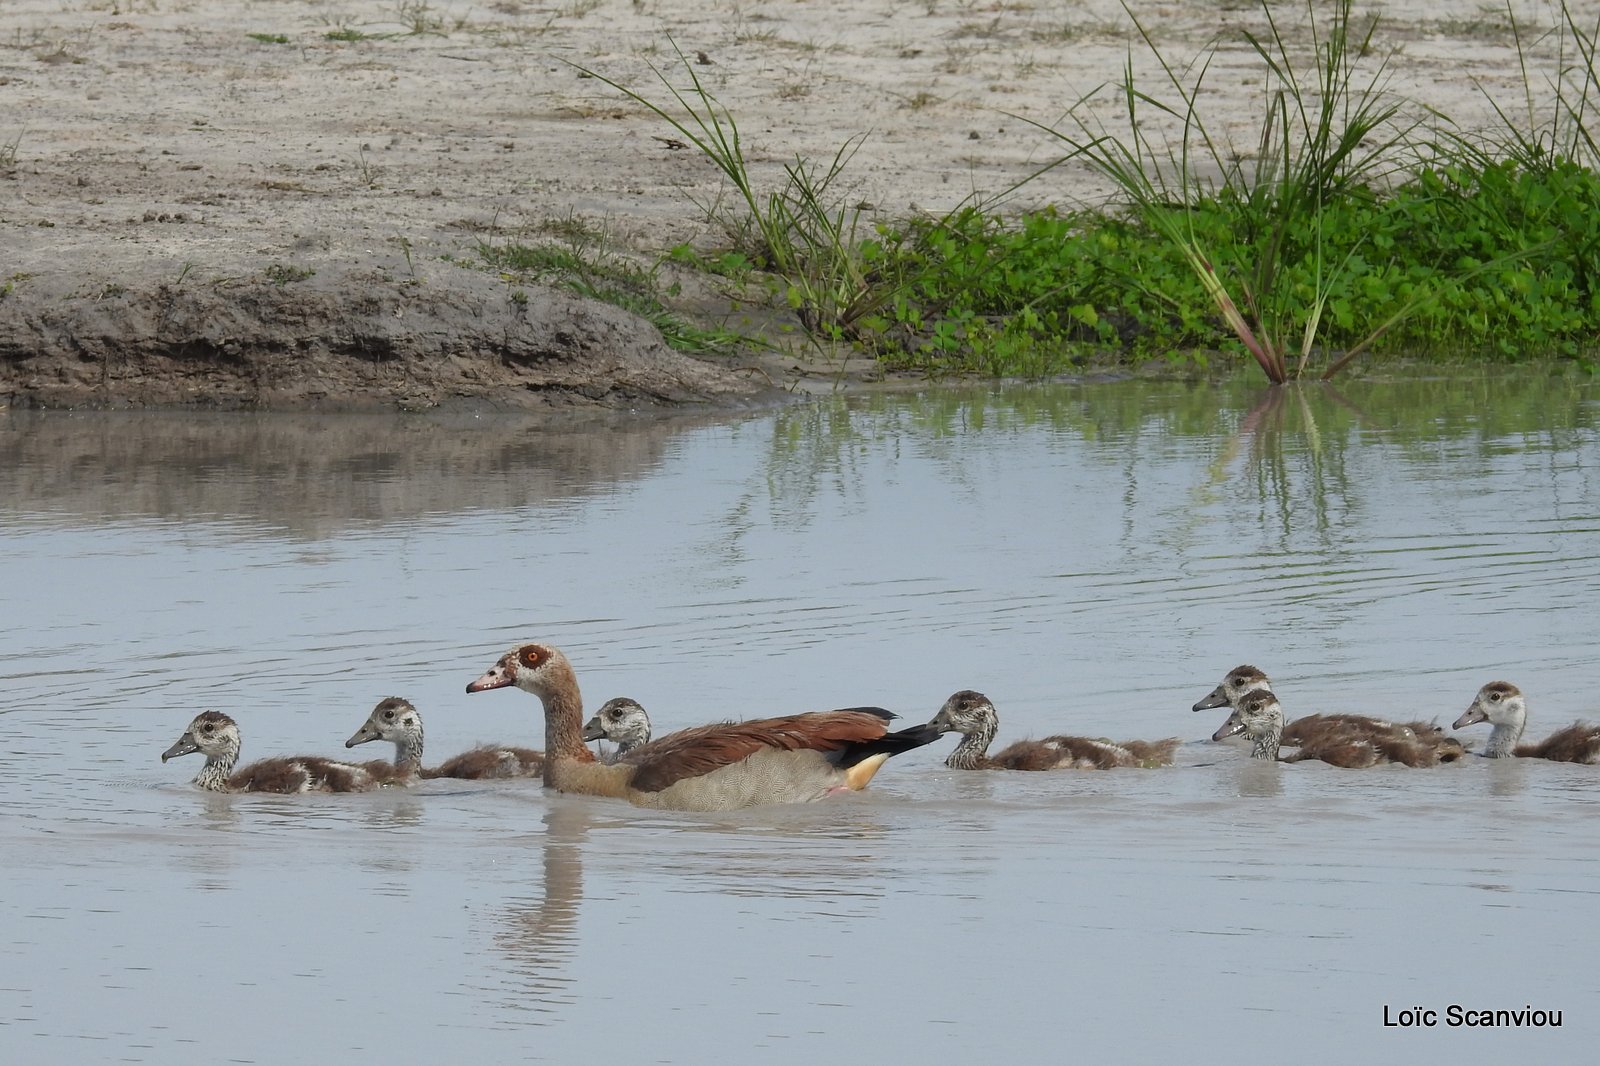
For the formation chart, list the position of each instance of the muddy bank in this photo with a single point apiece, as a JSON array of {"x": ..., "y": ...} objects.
[
  {"x": 347, "y": 337},
  {"x": 261, "y": 204}
]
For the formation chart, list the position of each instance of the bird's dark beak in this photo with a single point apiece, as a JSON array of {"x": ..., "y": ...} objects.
[
  {"x": 361, "y": 736},
  {"x": 1231, "y": 728},
  {"x": 184, "y": 746}
]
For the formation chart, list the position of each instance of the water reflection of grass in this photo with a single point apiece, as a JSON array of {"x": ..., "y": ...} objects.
[
  {"x": 1293, "y": 444},
  {"x": 1480, "y": 402}
]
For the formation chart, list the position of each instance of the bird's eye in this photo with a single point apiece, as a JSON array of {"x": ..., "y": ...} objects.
[{"x": 388, "y": 716}]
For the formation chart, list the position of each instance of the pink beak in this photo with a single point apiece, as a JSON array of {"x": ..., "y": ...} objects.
[{"x": 497, "y": 677}]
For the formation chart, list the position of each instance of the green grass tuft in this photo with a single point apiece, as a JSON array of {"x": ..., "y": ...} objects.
[
  {"x": 281, "y": 274},
  {"x": 583, "y": 267},
  {"x": 1348, "y": 227}
]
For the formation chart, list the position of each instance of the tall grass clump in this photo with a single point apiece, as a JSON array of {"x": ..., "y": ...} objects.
[
  {"x": 1518, "y": 204},
  {"x": 1551, "y": 127},
  {"x": 579, "y": 261},
  {"x": 801, "y": 232},
  {"x": 1331, "y": 134},
  {"x": 1353, "y": 221}
]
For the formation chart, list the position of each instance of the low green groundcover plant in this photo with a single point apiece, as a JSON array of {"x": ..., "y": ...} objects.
[
  {"x": 1353, "y": 228},
  {"x": 1507, "y": 259}
]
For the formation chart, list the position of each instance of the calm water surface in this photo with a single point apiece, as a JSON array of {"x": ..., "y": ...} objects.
[{"x": 1094, "y": 558}]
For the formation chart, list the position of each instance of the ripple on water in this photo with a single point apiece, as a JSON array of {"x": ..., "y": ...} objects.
[{"x": 1091, "y": 558}]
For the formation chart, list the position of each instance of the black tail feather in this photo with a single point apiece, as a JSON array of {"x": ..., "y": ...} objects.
[
  {"x": 886, "y": 715},
  {"x": 890, "y": 743}
]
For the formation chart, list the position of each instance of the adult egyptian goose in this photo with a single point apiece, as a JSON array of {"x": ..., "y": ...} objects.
[
  {"x": 1502, "y": 704},
  {"x": 623, "y": 722},
  {"x": 973, "y": 716},
  {"x": 216, "y": 736},
  {"x": 1351, "y": 748},
  {"x": 396, "y": 720},
  {"x": 794, "y": 759},
  {"x": 1313, "y": 728}
]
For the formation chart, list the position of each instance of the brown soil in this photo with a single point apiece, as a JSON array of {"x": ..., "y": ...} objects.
[
  {"x": 193, "y": 215},
  {"x": 346, "y": 336}
]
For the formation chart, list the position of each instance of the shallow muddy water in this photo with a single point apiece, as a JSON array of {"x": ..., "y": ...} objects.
[{"x": 1093, "y": 557}]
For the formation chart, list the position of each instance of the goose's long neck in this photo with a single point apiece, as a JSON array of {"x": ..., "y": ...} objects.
[
  {"x": 1268, "y": 740},
  {"x": 408, "y": 751},
  {"x": 1505, "y": 735},
  {"x": 972, "y": 752},
  {"x": 563, "y": 720},
  {"x": 213, "y": 776}
]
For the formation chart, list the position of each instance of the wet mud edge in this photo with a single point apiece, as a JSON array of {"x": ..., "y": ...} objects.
[{"x": 367, "y": 337}]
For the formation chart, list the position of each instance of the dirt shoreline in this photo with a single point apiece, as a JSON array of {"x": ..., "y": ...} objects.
[{"x": 221, "y": 205}]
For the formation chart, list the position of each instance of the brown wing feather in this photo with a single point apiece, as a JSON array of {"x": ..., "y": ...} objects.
[
  {"x": 1027, "y": 755},
  {"x": 1579, "y": 742},
  {"x": 529, "y": 761},
  {"x": 1084, "y": 752},
  {"x": 1348, "y": 751},
  {"x": 1063, "y": 752},
  {"x": 1152, "y": 752},
  {"x": 490, "y": 762},
  {"x": 1396, "y": 748},
  {"x": 383, "y": 770},
  {"x": 1358, "y": 749},
  {"x": 1314, "y": 727},
  {"x": 693, "y": 752},
  {"x": 285, "y": 775},
  {"x": 328, "y": 776},
  {"x": 310, "y": 773}
]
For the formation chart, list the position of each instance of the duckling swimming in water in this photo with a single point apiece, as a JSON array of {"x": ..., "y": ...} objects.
[
  {"x": 216, "y": 736},
  {"x": 1315, "y": 729},
  {"x": 623, "y": 722},
  {"x": 972, "y": 715},
  {"x": 1355, "y": 748},
  {"x": 398, "y": 721},
  {"x": 1502, "y": 704}
]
